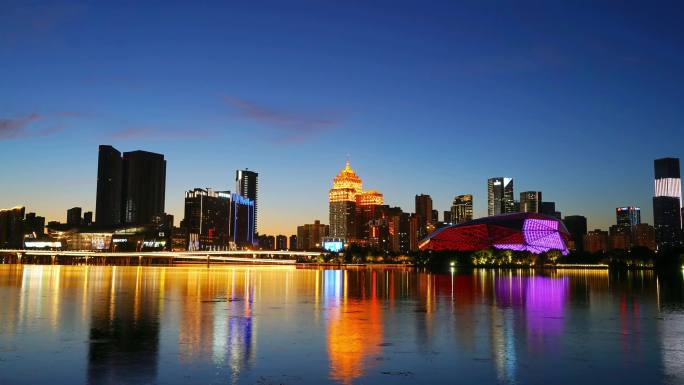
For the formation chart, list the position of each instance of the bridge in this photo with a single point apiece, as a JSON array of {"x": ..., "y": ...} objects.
[{"x": 154, "y": 257}]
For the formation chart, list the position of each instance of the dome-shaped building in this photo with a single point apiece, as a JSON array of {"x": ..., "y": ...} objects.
[{"x": 531, "y": 232}]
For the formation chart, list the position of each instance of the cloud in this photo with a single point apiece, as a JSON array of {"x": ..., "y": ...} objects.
[
  {"x": 34, "y": 125},
  {"x": 291, "y": 127},
  {"x": 13, "y": 128},
  {"x": 158, "y": 133}
]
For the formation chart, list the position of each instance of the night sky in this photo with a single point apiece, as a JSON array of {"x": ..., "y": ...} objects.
[{"x": 575, "y": 100}]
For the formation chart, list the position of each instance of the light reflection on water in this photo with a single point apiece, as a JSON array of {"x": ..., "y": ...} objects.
[{"x": 137, "y": 325}]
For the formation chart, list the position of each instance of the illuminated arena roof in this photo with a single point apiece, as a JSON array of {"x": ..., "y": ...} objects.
[{"x": 531, "y": 232}]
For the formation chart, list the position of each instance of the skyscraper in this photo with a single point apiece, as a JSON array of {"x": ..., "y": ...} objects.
[
  {"x": 462, "y": 209},
  {"x": 108, "y": 200},
  {"x": 143, "y": 187},
  {"x": 667, "y": 202},
  {"x": 627, "y": 218},
  {"x": 247, "y": 185},
  {"x": 530, "y": 201},
  {"x": 500, "y": 196},
  {"x": 342, "y": 198}
]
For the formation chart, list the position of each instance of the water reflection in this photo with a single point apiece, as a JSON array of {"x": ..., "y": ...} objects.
[{"x": 131, "y": 325}]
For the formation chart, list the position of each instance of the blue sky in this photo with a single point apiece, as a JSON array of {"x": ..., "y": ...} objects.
[{"x": 573, "y": 99}]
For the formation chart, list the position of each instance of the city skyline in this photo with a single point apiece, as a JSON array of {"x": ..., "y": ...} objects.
[{"x": 388, "y": 93}]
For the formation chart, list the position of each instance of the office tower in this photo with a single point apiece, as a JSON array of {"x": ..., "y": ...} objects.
[
  {"x": 667, "y": 218},
  {"x": 206, "y": 219},
  {"x": 242, "y": 216},
  {"x": 462, "y": 209},
  {"x": 74, "y": 217},
  {"x": 627, "y": 218},
  {"x": 342, "y": 198},
  {"x": 109, "y": 179},
  {"x": 596, "y": 241},
  {"x": 12, "y": 228},
  {"x": 293, "y": 242},
  {"x": 143, "y": 186},
  {"x": 644, "y": 236},
  {"x": 424, "y": 215},
  {"x": 281, "y": 242},
  {"x": 309, "y": 236},
  {"x": 447, "y": 216},
  {"x": 500, "y": 196},
  {"x": 530, "y": 201},
  {"x": 88, "y": 218},
  {"x": 577, "y": 227},
  {"x": 247, "y": 185}
]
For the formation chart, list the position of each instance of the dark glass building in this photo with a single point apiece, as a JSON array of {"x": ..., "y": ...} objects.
[
  {"x": 667, "y": 218},
  {"x": 247, "y": 185},
  {"x": 143, "y": 187},
  {"x": 108, "y": 200},
  {"x": 424, "y": 214},
  {"x": 74, "y": 217},
  {"x": 207, "y": 219},
  {"x": 577, "y": 227}
]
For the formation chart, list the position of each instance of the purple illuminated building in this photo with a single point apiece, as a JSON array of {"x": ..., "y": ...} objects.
[{"x": 531, "y": 232}]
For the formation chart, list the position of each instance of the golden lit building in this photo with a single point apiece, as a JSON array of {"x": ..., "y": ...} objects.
[{"x": 349, "y": 204}]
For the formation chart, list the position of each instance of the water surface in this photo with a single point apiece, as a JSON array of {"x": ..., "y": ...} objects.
[{"x": 283, "y": 325}]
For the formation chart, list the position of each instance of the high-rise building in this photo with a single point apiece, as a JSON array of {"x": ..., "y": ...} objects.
[
  {"x": 34, "y": 224},
  {"x": 577, "y": 227},
  {"x": 309, "y": 236},
  {"x": 266, "y": 242},
  {"x": 530, "y": 201},
  {"x": 88, "y": 218},
  {"x": 424, "y": 215},
  {"x": 109, "y": 182},
  {"x": 74, "y": 217},
  {"x": 143, "y": 186},
  {"x": 447, "y": 216},
  {"x": 349, "y": 205},
  {"x": 12, "y": 228},
  {"x": 293, "y": 242},
  {"x": 367, "y": 207},
  {"x": 242, "y": 216},
  {"x": 627, "y": 218},
  {"x": 500, "y": 196},
  {"x": 281, "y": 242},
  {"x": 207, "y": 219},
  {"x": 247, "y": 185},
  {"x": 667, "y": 218},
  {"x": 462, "y": 209}
]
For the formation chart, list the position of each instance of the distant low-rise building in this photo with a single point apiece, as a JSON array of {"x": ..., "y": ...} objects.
[
  {"x": 309, "y": 236},
  {"x": 596, "y": 241},
  {"x": 645, "y": 236}
]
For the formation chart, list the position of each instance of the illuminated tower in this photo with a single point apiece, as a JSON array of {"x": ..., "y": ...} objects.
[
  {"x": 247, "y": 186},
  {"x": 342, "y": 198},
  {"x": 530, "y": 201},
  {"x": 667, "y": 202}
]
